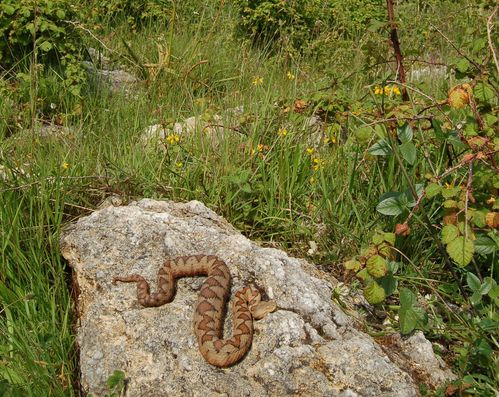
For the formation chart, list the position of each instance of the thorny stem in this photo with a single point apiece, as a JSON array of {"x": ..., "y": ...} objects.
[
  {"x": 418, "y": 201},
  {"x": 396, "y": 48},
  {"x": 413, "y": 118}
]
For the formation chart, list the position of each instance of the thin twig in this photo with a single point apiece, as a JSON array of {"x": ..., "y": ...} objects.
[
  {"x": 475, "y": 64},
  {"x": 415, "y": 208},
  {"x": 489, "y": 36},
  {"x": 186, "y": 74},
  {"x": 413, "y": 118}
]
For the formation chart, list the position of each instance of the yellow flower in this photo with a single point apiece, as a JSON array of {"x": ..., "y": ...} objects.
[
  {"x": 172, "y": 139},
  {"x": 290, "y": 75},
  {"x": 282, "y": 132},
  {"x": 387, "y": 90},
  {"x": 317, "y": 164},
  {"x": 310, "y": 150},
  {"x": 448, "y": 185},
  {"x": 257, "y": 80},
  {"x": 65, "y": 166},
  {"x": 179, "y": 164}
]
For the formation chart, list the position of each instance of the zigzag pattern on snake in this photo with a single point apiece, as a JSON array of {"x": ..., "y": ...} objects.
[{"x": 210, "y": 307}]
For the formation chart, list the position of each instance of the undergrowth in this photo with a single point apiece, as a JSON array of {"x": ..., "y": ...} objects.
[{"x": 319, "y": 155}]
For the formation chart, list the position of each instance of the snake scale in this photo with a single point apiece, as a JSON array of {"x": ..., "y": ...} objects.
[{"x": 210, "y": 307}]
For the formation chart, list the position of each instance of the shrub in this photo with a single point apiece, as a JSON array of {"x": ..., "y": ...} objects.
[
  {"x": 41, "y": 26},
  {"x": 134, "y": 12},
  {"x": 296, "y": 23},
  {"x": 43, "y": 30}
]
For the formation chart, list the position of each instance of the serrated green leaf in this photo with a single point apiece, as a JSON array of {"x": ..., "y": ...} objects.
[
  {"x": 389, "y": 237},
  {"x": 409, "y": 152},
  {"x": 483, "y": 92},
  {"x": 450, "y": 204},
  {"x": 376, "y": 266},
  {"x": 45, "y": 46},
  {"x": 462, "y": 65},
  {"x": 374, "y": 293},
  {"x": 380, "y": 148},
  {"x": 30, "y": 27},
  {"x": 378, "y": 238},
  {"x": 488, "y": 284},
  {"x": 390, "y": 206},
  {"x": 432, "y": 190},
  {"x": 494, "y": 295},
  {"x": 352, "y": 264},
  {"x": 473, "y": 281},
  {"x": 405, "y": 133},
  {"x": 479, "y": 218},
  {"x": 450, "y": 192},
  {"x": 488, "y": 324},
  {"x": 364, "y": 275},
  {"x": 485, "y": 245},
  {"x": 483, "y": 347},
  {"x": 479, "y": 44},
  {"x": 385, "y": 249},
  {"x": 461, "y": 250},
  {"x": 449, "y": 233}
]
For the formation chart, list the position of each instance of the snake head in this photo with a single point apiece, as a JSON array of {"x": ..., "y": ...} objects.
[
  {"x": 262, "y": 309},
  {"x": 259, "y": 309}
]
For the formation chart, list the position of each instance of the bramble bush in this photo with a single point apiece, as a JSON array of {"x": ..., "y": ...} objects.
[
  {"x": 438, "y": 161},
  {"x": 295, "y": 24},
  {"x": 134, "y": 12},
  {"x": 41, "y": 33}
]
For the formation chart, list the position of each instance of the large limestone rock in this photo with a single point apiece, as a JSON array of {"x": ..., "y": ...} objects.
[{"x": 308, "y": 347}]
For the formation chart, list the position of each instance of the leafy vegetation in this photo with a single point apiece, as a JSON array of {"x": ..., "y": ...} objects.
[{"x": 320, "y": 155}]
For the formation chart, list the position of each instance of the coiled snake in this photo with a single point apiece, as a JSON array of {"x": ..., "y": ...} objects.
[{"x": 210, "y": 307}]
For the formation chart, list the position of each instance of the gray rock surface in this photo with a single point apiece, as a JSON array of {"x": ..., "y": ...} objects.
[
  {"x": 308, "y": 347},
  {"x": 418, "y": 352}
]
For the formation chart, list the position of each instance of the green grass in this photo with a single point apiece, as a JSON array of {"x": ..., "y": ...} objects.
[{"x": 265, "y": 183}]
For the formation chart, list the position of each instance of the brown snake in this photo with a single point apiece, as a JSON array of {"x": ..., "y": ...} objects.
[{"x": 210, "y": 307}]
